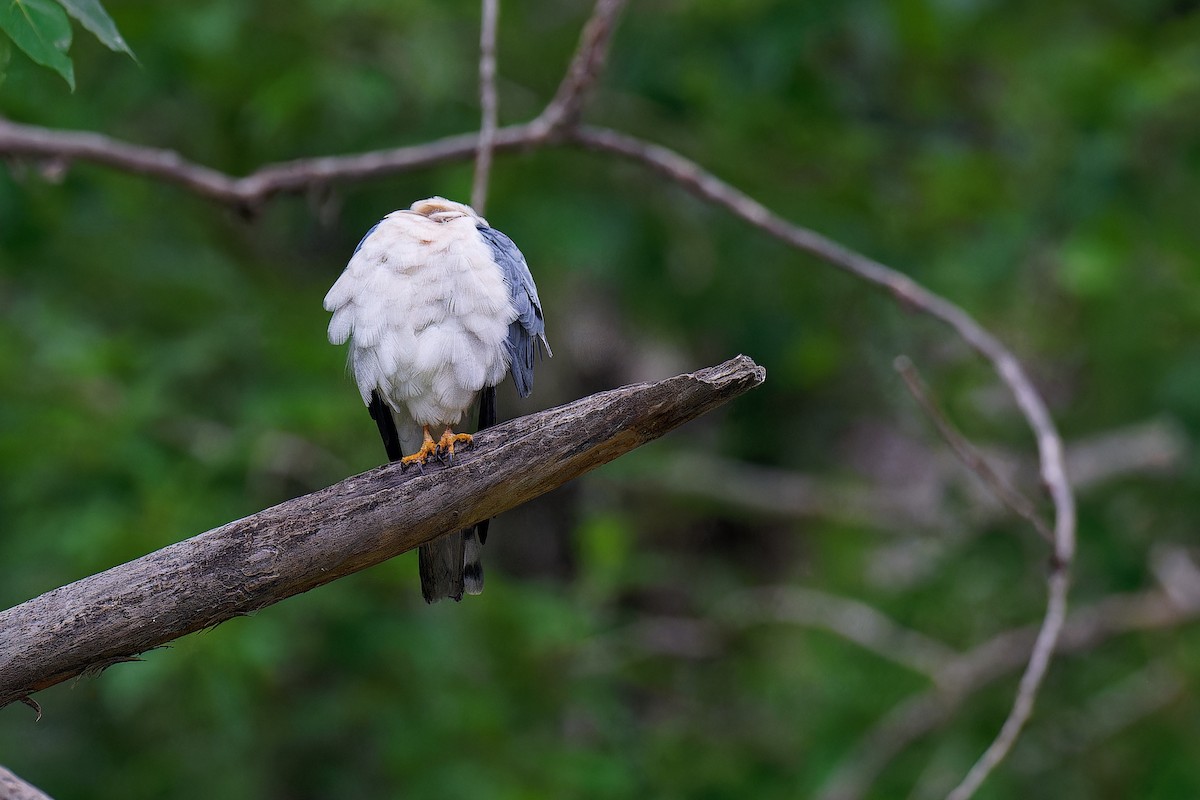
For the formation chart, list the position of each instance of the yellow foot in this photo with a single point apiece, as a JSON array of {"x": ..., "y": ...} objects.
[
  {"x": 445, "y": 446},
  {"x": 428, "y": 448}
]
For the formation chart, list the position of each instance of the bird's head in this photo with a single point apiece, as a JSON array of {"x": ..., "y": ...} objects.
[{"x": 439, "y": 209}]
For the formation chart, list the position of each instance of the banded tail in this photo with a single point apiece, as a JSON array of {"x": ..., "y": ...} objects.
[{"x": 449, "y": 565}]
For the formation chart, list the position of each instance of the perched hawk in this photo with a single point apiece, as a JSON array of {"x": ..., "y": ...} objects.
[{"x": 438, "y": 307}]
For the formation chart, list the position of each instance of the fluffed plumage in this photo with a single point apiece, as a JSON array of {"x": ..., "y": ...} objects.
[{"x": 438, "y": 308}]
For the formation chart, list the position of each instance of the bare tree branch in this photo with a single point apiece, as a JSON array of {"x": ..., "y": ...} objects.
[
  {"x": 850, "y": 619},
  {"x": 1109, "y": 713},
  {"x": 13, "y": 788},
  {"x": 1156, "y": 445},
  {"x": 955, "y": 676},
  {"x": 488, "y": 106},
  {"x": 735, "y": 488},
  {"x": 691, "y": 637},
  {"x": 695, "y": 179},
  {"x": 691, "y": 176},
  {"x": 250, "y": 192},
  {"x": 1031, "y": 681},
  {"x": 563, "y": 111},
  {"x": 970, "y": 456},
  {"x": 1086, "y": 628},
  {"x": 306, "y": 542}
]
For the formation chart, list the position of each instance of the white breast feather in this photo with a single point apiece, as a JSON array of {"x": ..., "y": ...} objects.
[{"x": 427, "y": 312}]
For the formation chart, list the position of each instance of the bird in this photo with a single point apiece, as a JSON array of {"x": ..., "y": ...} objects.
[{"x": 439, "y": 308}]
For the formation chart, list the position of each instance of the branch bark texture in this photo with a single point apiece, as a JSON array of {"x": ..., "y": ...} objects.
[
  {"x": 303, "y": 543},
  {"x": 13, "y": 788}
]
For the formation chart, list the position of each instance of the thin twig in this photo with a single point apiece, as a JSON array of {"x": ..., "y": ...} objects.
[
  {"x": 971, "y": 458},
  {"x": 253, "y": 190},
  {"x": 691, "y": 176},
  {"x": 488, "y": 105},
  {"x": 738, "y": 489},
  {"x": 563, "y": 111},
  {"x": 845, "y": 617},
  {"x": 904, "y": 724},
  {"x": 735, "y": 488},
  {"x": 1109, "y": 713},
  {"x": 1177, "y": 573},
  {"x": 1027, "y": 690}
]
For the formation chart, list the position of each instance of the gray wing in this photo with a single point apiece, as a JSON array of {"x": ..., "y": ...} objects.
[
  {"x": 366, "y": 236},
  {"x": 527, "y": 334}
]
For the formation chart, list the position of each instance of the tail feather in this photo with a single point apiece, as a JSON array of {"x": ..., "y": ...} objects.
[
  {"x": 441, "y": 566},
  {"x": 387, "y": 426},
  {"x": 472, "y": 565},
  {"x": 487, "y": 418},
  {"x": 473, "y": 538},
  {"x": 450, "y": 565}
]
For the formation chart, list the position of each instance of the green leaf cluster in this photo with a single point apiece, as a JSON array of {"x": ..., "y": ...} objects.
[{"x": 41, "y": 30}]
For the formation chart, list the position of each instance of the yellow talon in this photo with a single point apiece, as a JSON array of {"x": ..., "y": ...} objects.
[
  {"x": 449, "y": 439},
  {"x": 428, "y": 448},
  {"x": 431, "y": 449}
]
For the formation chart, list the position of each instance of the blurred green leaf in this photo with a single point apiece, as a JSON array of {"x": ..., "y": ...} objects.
[
  {"x": 5, "y": 55},
  {"x": 93, "y": 17},
  {"x": 1091, "y": 267},
  {"x": 41, "y": 29},
  {"x": 605, "y": 544}
]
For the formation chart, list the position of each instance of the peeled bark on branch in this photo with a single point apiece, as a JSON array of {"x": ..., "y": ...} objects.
[{"x": 295, "y": 546}]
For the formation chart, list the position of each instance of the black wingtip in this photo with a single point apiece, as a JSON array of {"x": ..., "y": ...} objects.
[
  {"x": 487, "y": 418},
  {"x": 487, "y": 407},
  {"x": 387, "y": 426}
]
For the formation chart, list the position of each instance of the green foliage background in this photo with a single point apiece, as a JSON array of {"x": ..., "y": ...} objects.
[{"x": 165, "y": 371}]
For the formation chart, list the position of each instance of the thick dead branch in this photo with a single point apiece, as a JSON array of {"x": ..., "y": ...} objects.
[
  {"x": 303, "y": 543},
  {"x": 13, "y": 788}
]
